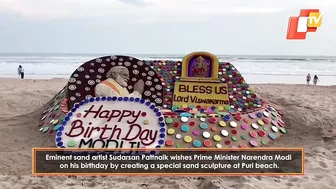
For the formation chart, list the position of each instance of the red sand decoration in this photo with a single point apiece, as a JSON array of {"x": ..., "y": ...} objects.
[{"x": 123, "y": 102}]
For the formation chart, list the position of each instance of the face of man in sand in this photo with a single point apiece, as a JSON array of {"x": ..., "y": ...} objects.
[{"x": 122, "y": 77}]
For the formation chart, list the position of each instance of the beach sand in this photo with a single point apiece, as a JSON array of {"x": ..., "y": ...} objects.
[{"x": 309, "y": 113}]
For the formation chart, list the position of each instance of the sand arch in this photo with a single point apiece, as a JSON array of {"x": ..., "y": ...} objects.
[{"x": 202, "y": 103}]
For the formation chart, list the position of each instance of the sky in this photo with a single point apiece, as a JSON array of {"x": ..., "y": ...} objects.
[{"x": 233, "y": 27}]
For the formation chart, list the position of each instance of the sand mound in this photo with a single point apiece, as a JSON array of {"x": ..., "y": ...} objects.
[
  {"x": 199, "y": 86},
  {"x": 309, "y": 116}
]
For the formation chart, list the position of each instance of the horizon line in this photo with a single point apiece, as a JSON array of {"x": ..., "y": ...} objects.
[{"x": 95, "y": 53}]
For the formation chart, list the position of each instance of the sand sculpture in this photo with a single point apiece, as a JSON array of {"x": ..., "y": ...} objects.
[{"x": 123, "y": 102}]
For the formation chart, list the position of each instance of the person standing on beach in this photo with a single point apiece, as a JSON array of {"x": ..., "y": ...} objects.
[
  {"x": 315, "y": 79},
  {"x": 308, "y": 78},
  {"x": 21, "y": 72}
]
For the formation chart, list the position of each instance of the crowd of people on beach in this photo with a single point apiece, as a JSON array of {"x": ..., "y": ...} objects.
[{"x": 315, "y": 80}]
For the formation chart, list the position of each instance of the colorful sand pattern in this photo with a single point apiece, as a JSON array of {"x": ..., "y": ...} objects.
[{"x": 248, "y": 121}]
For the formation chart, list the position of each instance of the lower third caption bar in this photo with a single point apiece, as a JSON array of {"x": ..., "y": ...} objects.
[{"x": 170, "y": 162}]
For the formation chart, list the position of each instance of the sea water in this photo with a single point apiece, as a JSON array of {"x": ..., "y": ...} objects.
[{"x": 255, "y": 69}]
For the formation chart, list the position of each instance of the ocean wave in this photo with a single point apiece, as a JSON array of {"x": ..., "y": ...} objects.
[
  {"x": 288, "y": 74},
  {"x": 164, "y": 57},
  {"x": 64, "y": 64},
  {"x": 68, "y": 73},
  {"x": 87, "y": 57}
]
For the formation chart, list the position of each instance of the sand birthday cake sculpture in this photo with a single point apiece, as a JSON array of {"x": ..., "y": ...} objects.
[{"x": 123, "y": 102}]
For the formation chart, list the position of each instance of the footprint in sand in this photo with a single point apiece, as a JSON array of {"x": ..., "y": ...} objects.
[
  {"x": 276, "y": 180},
  {"x": 289, "y": 184},
  {"x": 322, "y": 164},
  {"x": 293, "y": 179},
  {"x": 318, "y": 177}
]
